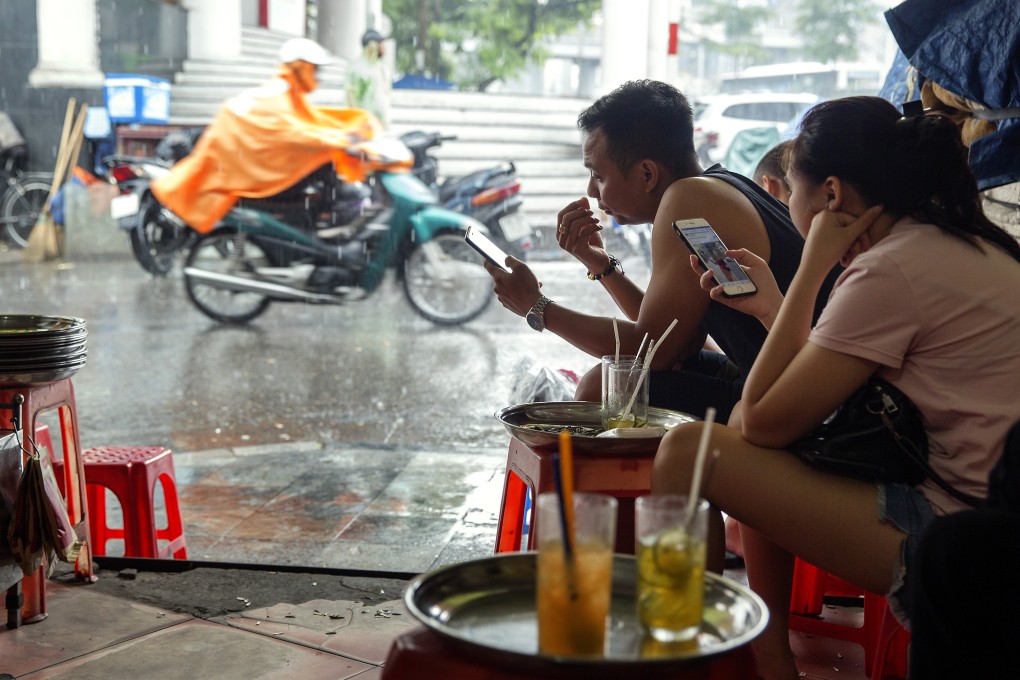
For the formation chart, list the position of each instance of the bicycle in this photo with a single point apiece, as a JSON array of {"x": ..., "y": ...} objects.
[
  {"x": 22, "y": 199},
  {"x": 22, "y": 194}
]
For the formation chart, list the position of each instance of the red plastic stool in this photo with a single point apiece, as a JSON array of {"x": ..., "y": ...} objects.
[
  {"x": 131, "y": 473},
  {"x": 883, "y": 639},
  {"x": 27, "y": 599},
  {"x": 625, "y": 477}
]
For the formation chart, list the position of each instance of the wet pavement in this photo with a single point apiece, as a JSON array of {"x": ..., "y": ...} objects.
[{"x": 357, "y": 436}]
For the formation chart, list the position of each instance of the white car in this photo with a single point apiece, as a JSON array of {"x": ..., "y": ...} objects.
[{"x": 718, "y": 118}]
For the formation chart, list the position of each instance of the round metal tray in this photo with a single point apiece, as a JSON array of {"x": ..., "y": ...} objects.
[
  {"x": 487, "y": 608},
  {"x": 44, "y": 326},
  {"x": 520, "y": 422}
]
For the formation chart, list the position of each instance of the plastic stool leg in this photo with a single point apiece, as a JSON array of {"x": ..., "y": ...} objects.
[
  {"x": 174, "y": 533},
  {"x": 95, "y": 496},
  {"x": 511, "y": 516}
]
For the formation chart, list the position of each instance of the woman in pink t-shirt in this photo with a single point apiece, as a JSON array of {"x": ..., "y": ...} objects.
[{"x": 928, "y": 301}]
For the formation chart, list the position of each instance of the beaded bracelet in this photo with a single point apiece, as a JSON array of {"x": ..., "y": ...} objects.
[{"x": 613, "y": 265}]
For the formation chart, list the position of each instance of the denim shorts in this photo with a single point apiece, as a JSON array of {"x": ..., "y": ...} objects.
[{"x": 906, "y": 508}]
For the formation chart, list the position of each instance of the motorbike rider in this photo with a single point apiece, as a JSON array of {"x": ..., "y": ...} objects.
[{"x": 263, "y": 141}]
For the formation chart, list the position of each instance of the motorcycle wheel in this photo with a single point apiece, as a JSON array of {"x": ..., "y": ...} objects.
[
  {"x": 156, "y": 240},
  {"x": 445, "y": 282},
  {"x": 22, "y": 205},
  {"x": 225, "y": 252}
]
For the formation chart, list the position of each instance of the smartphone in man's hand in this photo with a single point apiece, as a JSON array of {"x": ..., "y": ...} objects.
[{"x": 489, "y": 250}]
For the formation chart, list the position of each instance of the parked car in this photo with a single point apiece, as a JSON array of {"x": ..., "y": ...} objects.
[{"x": 718, "y": 118}]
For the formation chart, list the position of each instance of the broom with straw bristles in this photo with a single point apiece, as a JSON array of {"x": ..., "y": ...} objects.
[{"x": 43, "y": 242}]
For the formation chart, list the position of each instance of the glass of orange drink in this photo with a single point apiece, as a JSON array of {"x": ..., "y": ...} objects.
[{"x": 573, "y": 591}]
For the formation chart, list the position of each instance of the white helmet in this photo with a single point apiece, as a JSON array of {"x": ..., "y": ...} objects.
[{"x": 303, "y": 49}]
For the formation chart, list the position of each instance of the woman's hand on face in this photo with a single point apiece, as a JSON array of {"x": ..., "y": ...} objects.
[
  {"x": 517, "y": 290},
  {"x": 577, "y": 232},
  {"x": 763, "y": 305},
  {"x": 837, "y": 236}
]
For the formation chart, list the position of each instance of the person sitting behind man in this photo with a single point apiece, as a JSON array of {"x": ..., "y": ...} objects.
[
  {"x": 770, "y": 173},
  {"x": 263, "y": 141},
  {"x": 638, "y": 145}
]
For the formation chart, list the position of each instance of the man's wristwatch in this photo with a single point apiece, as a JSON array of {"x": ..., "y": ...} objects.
[{"x": 536, "y": 315}]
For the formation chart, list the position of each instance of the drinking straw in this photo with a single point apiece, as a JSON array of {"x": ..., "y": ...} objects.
[
  {"x": 568, "y": 548},
  {"x": 567, "y": 478},
  {"x": 699, "y": 463},
  {"x": 616, "y": 334},
  {"x": 642, "y": 345},
  {"x": 652, "y": 347},
  {"x": 563, "y": 473}
]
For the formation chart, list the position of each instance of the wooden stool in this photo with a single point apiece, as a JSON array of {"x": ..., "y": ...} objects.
[
  {"x": 37, "y": 399},
  {"x": 131, "y": 473},
  {"x": 625, "y": 477},
  {"x": 884, "y": 640}
]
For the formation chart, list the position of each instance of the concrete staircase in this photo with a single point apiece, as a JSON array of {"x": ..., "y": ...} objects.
[{"x": 538, "y": 133}]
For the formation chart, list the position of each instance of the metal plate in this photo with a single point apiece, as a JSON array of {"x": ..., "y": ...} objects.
[
  {"x": 124, "y": 205},
  {"x": 487, "y": 608},
  {"x": 520, "y": 421},
  {"x": 515, "y": 226},
  {"x": 43, "y": 326}
]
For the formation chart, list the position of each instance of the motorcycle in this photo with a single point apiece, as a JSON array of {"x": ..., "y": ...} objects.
[
  {"x": 262, "y": 251},
  {"x": 156, "y": 235},
  {"x": 491, "y": 195}
]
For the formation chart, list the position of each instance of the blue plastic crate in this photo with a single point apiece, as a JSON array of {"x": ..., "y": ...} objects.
[{"x": 132, "y": 98}]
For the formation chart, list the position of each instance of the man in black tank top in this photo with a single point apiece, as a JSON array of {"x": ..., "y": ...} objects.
[{"x": 639, "y": 148}]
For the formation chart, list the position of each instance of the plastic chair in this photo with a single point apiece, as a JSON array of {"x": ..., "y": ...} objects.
[
  {"x": 131, "y": 473},
  {"x": 884, "y": 640},
  {"x": 625, "y": 477}
]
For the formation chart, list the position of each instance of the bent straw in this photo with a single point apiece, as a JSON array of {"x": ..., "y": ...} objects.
[
  {"x": 616, "y": 334},
  {"x": 642, "y": 345},
  {"x": 699, "y": 463},
  {"x": 652, "y": 347}
]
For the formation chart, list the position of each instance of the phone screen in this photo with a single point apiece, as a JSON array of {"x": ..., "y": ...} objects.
[
  {"x": 702, "y": 240},
  {"x": 489, "y": 250}
]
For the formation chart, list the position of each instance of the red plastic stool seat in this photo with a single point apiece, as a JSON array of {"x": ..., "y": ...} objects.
[
  {"x": 131, "y": 473},
  {"x": 884, "y": 640},
  {"x": 625, "y": 477}
]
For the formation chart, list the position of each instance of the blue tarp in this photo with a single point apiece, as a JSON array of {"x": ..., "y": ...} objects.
[
  {"x": 416, "y": 82},
  {"x": 972, "y": 49}
]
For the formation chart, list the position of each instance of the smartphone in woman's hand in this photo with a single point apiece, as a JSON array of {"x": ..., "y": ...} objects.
[{"x": 701, "y": 239}]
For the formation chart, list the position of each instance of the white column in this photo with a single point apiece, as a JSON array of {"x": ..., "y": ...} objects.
[
  {"x": 341, "y": 23},
  {"x": 658, "y": 39},
  {"x": 214, "y": 29},
  {"x": 68, "y": 45},
  {"x": 624, "y": 42}
]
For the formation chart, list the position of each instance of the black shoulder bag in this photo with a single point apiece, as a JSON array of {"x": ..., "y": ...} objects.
[{"x": 877, "y": 435}]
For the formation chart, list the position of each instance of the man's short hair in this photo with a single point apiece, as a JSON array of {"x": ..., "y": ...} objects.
[
  {"x": 773, "y": 164},
  {"x": 643, "y": 119}
]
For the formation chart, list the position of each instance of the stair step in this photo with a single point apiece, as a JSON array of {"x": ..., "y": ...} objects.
[{"x": 538, "y": 133}]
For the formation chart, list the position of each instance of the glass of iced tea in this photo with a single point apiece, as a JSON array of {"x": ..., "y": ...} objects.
[
  {"x": 573, "y": 592},
  {"x": 670, "y": 566}
]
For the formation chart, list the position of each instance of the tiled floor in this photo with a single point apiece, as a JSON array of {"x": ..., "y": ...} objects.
[{"x": 305, "y": 504}]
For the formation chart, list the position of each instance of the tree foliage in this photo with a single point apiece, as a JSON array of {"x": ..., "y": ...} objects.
[
  {"x": 740, "y": 26},
  {"x": 478, "y": 42},
  {"x": 830, "y": 30}
]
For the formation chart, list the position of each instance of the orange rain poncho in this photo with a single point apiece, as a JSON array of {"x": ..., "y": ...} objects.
[{"x": 260, "y": 143}]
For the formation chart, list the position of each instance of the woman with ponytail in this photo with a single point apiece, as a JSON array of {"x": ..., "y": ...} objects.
[{"x": 929, "y": 301}]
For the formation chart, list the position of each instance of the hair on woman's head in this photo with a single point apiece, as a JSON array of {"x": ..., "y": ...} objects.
[{"x": 912, "y": 165}]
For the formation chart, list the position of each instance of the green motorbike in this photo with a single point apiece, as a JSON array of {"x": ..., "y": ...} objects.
[{"x": 330, "y": 242}]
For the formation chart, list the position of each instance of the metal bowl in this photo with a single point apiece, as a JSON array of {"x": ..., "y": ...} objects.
[
  {"x": 487, "y": 608},
  {"x": 584, "y": 418}
]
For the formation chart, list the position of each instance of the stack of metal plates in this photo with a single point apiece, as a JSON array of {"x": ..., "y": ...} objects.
[{"x": 40, "y": 349}]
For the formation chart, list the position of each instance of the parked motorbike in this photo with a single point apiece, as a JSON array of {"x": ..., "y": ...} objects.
[
  {"x": 491, "y": 195},
  {"x": 156, "y": 234},
  {"x": 263, "y": 251}
]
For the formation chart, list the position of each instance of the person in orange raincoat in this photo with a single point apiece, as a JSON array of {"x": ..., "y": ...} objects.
[{"x": 263, "y": 141}]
